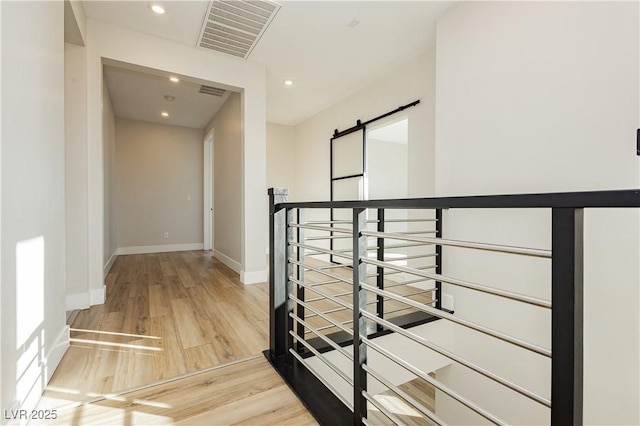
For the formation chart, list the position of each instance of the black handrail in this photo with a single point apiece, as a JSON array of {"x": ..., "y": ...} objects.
[
  {"x": 566, "y": 280},
  {"x": 589, "y": 199}
]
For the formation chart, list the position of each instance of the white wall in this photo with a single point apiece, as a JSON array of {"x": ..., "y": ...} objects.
[
  {"x": 410, "y": 81},
  {"x": 110, "y": 224},
  {"x": 227, "y": 180},
  {"x": 158, "y": 186},
  {"x": 76, "y": 195},
  {"x": 34, "y": 334},
  {"x": 541, "y": 97},
  {"x": 281, "y": 158},
  {"x": 106, "y": 42}
]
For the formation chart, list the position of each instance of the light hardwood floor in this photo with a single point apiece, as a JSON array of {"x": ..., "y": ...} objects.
[
  {"x": 166, "y": 314},
  {"x": 170, "y": 314},
  {"x": 249, "y": 392}
]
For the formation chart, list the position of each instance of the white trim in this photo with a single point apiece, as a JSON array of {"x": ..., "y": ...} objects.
[
  {"x": 227, "y": 261},
  {"x": 253, "y": 277},
  {"x": 207, "y": 216},
  {"x": 54, "y": 356},
  {"x": 159, "y": 249},
  {"x": 98, "y": 296},
  {"x": 77, "y": 301},
  {"x": 109, "y": 264}
]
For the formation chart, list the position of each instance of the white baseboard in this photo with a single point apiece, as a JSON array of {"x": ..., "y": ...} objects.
[
  {"x": 54, "y": 356},
  {"x": 159, "y": 249},
  {"x": 98, "y": 296},
  {"x": 77, "y": 301},
  {"x": 253, "y": 277},
  {"x": 109, "y": 264},
  {"x": 227, "y": 261}
]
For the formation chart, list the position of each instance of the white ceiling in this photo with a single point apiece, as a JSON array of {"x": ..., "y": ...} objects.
[
  {"x": 139, "y": 95},
  {"x": 310, "y": 42}
]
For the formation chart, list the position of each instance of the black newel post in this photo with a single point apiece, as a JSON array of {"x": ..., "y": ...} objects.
[
  {"x": 277, "y": 272},
  {"x": 566, "y": 316}
]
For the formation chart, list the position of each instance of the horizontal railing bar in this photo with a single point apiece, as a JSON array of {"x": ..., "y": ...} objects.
[
  {"x": 417, "y": 256},
  {"x": 328, "y": 296},
  {"x": 369, "y": 248},
  {"x": 382, "y": 408},
  {"x": 409, "y": 220},
  {"x": 408, "y": 307},
  {"x": 322, "y": 358},
  {"x": 321, "y": 250},
  {"x": 322, "y": 228},
  {"x": 395, "y": 246},
  {"x": 328, "y": 237},
  {"x": 331, "y": 326},
  {"x": 517, "y": 388},
  {"x": 589, "y": 199},
  {"x": 465, "y": 323},
  {"x": 325, "y": 222},
  {"x": 402, "y": 394},
  {"x": 415, "y": 293},
  {"x": 418, "y": 268},
  {"x": 464, "y": 244},
  {"x": 430, "y": 231},
  {"x": 324, "y": 283},
  {"x": 418, "y": 280},
  {"x": 325, "y": 317},
  {"x": 319, "y": 377},
  {"x": 330, "y": 311},
  {"x": 319, "y": 253},
  {"x": 320, "y": 271},
  {"x": 330, "y": 342},
  {"x": 462, "y": 283},
  {"x": 330, "y": 222},
  {"x": 437, "y": 384},
  {"x": 323, "y": 267}
]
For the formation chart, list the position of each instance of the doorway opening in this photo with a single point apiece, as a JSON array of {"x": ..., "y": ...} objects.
[{"x": 208, "y": 185}]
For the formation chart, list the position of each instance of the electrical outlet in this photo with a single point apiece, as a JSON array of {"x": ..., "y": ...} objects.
[{"x": 166, "y": 235}]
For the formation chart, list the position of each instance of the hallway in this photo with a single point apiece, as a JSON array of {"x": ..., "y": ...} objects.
[{"x": 166, "y": 314}]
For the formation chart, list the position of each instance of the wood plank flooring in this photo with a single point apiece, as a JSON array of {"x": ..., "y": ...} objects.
[
  {"x": 166, "y": 314},
  {"x": 249, "y": 392},
  {"x": 170, "y": 314}
]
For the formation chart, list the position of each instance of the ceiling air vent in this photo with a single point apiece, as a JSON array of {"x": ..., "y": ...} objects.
[
  {"x": 210, "y": 90},
  {"x": 234, "y": 27}
]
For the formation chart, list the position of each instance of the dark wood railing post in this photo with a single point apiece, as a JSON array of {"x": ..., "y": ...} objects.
[
  {"x": 359, "y": 321},
  {"x": 380, "y": 269},
  {"x": 438, "y": 259},
  {"x": 566, "y": 316},
  {"x": 277, "y": 272}
]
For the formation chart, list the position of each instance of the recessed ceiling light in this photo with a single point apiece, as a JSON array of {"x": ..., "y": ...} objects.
[
  {"x": 288, "y": 82},
  {"x": 157, "y": 9},
  {"x": 174, "y": 79},
  {"x": 164, "y": 114},
  {"x": 170, "y": 98}
]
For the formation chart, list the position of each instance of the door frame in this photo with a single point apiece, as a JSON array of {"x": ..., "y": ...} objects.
[{"x": 208, "y": 198}]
